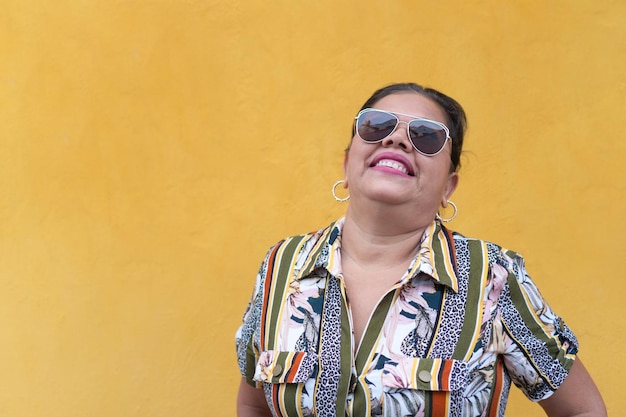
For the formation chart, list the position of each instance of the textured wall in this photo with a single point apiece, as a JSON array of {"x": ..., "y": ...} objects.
[{"x": 152, "y": 150}]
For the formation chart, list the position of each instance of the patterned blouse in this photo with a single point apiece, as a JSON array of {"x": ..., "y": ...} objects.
[{"x": 448, "y": 338}]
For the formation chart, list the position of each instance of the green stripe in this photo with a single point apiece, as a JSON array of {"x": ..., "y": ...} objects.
[
  {"x": 373, "y": 330},
  {"x": 315, "y": 252},
  {"x": 280, "y": 280},
  {"x": 527, "y": 313},
  {"x": 290, "y": 395},
  {"x": 463, "y": 349},
  {"x": 346, "y": 362},
  {"x": 361, "y": 397},
  {"x": 536, "y": 326},
  {"x": 250, "y": 362},
  {"x": 439, "y": 248},
  {"x": 361, "y": 394},
  {"x": 428, "y": 404}
]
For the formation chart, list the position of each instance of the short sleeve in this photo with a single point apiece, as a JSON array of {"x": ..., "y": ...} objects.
[
  {"x": 539, "y": 349},
  {"x": 247, "y": 336}
]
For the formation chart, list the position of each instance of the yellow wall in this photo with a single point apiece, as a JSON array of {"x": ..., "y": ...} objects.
[{"x": 152, "y": 150}]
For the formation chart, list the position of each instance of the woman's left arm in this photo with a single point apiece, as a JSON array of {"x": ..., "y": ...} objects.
[{"x": 578, "y": 396}]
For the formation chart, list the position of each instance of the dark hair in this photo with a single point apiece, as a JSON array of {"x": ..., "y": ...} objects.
[{"x": 455, "y": 115}]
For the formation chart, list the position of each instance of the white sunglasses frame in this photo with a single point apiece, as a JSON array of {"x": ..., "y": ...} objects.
[{"x": 408, "y": 132}]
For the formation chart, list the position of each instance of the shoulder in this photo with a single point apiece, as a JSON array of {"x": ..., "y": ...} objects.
[
  {"x": 303, "y": 241},
  {"x": 303, "y": 250},
  {"x": 496, "y": 253}
]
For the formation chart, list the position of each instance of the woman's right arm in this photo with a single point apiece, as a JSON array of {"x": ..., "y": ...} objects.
[{"x": 251, "y": 401}]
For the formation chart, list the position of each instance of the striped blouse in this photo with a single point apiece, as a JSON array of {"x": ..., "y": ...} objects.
[{"x": 448, "y": 338}]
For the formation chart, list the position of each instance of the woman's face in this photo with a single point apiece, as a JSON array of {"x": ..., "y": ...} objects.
[{"x": 392, "y": 171}]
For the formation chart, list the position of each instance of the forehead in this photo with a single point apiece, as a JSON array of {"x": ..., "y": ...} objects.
[{"x": 413, "y": 104}]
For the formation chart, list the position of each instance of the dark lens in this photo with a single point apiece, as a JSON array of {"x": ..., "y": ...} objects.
[
  {"x": 427, "y": 137},
  {"x": 374, "y": 126}
]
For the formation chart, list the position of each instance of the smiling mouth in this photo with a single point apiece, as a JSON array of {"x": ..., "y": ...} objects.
[{"x": 393, "y": 165}]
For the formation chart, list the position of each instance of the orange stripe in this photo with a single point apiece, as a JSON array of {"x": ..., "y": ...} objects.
[
  {"x": 295, "y": 366},
  {"x": 444, "y": 375},
  {"x": 439, "y": 404},
  {"x": 266, "y": 290},
  {"x": 497, "y": 389}
]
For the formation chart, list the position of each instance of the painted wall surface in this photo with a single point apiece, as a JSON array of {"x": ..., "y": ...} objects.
[{"x": 152, "y": 150}]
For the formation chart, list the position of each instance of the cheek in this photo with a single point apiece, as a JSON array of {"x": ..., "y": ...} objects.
[
  {"x": 437, "y": 173},
  {"x": 356, "y": 155}
]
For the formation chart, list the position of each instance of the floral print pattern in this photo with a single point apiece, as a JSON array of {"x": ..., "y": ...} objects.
[{"x": 412, "y": 363}]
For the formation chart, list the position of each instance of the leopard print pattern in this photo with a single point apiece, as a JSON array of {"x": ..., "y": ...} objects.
[
  {"x": 322, "y": 259},
  {"x": 537, "y": 350},
  {"x": 329, "y": 352},
  {"x": 454, "y": 307},
  {"x": 248, "y": 328}
]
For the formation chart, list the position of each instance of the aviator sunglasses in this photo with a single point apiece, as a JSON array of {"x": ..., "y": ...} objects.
[{"x": 427, "y": 136}]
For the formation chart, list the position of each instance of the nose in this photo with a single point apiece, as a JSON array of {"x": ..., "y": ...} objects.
[{"x": 399, "y": 137}]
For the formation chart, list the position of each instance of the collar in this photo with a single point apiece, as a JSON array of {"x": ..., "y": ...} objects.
[{"x": 436, "y": 256}]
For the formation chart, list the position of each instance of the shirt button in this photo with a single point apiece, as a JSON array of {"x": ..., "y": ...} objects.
[
  {"x": 424, "y": 376},
  {"x": 278, "y": 369}
]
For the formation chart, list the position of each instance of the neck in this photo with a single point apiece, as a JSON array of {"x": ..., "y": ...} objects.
[{"x": 381, "y": 238}]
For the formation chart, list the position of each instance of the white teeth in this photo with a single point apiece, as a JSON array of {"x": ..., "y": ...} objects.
[{"x": 392, "y": 164}]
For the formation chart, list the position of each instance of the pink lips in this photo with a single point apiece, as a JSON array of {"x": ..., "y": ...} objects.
[{"x": 393, "y": 163}]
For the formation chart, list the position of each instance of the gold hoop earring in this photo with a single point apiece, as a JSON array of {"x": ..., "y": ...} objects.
[
  {"x": 449, "y": 219},
  {"x": 341, "y": 200}
]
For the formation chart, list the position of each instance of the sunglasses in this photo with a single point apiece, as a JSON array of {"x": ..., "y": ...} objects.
[{"x": 428, "y": 137}]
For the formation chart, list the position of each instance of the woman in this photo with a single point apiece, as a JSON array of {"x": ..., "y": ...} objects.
[{"x": 386, "y": 312}]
